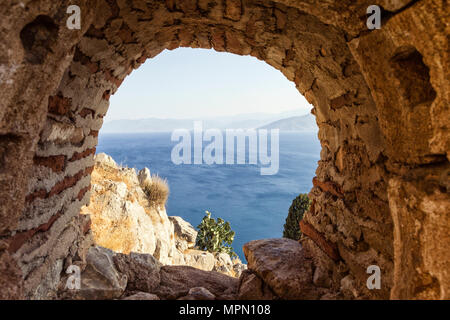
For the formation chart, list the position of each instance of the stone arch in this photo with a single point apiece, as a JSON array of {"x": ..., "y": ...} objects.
[{"x": 358, "y": 215}]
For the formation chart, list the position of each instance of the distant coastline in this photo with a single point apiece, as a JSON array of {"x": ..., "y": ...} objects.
[{"x": 287, "y": 121}]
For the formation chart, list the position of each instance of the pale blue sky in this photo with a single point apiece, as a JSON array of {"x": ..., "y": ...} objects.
[{"x": 199, "y": 83}]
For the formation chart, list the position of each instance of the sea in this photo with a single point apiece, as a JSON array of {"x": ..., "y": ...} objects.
[{"x": 255, "y": 205}]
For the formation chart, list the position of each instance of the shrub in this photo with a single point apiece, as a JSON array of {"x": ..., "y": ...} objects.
[
  {"x": 157, "y": 191},
  {"x": 298, "y": 208},
  {"x": 215, "y": 236}
]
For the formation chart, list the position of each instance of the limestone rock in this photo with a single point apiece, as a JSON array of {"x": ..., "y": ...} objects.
[
  {"x": 99, "y": 280},
  {"x": 129, "y": 175},
  {"x": 199, "y": 259},
  {"x": 251, "y": 287},
  {"x": 165, "y": 239},
  {"x": 123, "y": 221},
  {"x": 198, "y": 293},
  {"x": 223, "y": 264},
  {"x": 283, "y": 266},
  {"x": 223, "y": 259},
  {"x": 142, "y": 296},
  {"x": 178, "y": 258},
  {"x": 103, "y": 159},
  {"x": 176, "y": 281},
  {"x": 184, "y": 230},
  {"x": 118, "y": 223},
  {"x": 144, "y": 176},
  {"x": 181, "y": 245},
  {"x": 142, "y": 270},
  {"x": 239, "y": 268}
]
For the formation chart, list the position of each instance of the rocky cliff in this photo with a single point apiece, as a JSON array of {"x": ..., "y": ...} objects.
[
  {"x": 125, "y": 219},
  {"x": 278, "y": 269}
]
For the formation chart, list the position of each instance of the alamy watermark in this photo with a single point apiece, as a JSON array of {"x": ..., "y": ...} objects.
[
  {"x": 228, "y": 147},
  {"x": 74, "y": 280},
  {"x": 374, "y": 281},
  {"x": 74, "y": 21},
  {"x": 374, "y": 20}
]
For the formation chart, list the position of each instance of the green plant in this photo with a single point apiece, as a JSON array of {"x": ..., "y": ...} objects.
[
  {"x": 157, "y": 191},
  {"x": 215, "y": 236},
  {"x": 298, "y": 208}
]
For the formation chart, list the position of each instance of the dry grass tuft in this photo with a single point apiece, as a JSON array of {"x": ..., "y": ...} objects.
[{"x": 157, "y": 191}]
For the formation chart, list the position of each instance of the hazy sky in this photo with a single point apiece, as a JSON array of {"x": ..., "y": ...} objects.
[{"x": 194, "y": 83}]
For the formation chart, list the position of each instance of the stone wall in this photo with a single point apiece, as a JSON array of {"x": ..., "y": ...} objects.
[{"x": 380, "y": 99}]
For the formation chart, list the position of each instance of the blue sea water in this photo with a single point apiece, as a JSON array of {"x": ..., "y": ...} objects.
[{"x": 256, "y": 206}]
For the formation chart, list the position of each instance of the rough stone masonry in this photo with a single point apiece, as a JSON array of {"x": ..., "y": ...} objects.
[{"x": 380, "y": 97}]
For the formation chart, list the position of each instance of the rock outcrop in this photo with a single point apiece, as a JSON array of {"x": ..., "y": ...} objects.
[
  {"x": 185, "y": 234},
  {"x": 282, "y": 267},
  {"x": 110, "y": 275},
  {"x": 252, "y": 287},
  {"x": 100, "y": 279},
  {"x": 124, "y": 220},
  {"x": 142, "y": 296},
  {"x": 198, "y": 293},
  {"x": 278, "y": 269},
  {"x": 142, "y": 271},
  {"x": 177, "y": 281}
]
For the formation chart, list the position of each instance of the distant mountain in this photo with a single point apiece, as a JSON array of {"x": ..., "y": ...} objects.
[
  {"x": 145, "y": 125},
  {"x": 242, "y": 121},
  {"x": 301, "y": 123}
]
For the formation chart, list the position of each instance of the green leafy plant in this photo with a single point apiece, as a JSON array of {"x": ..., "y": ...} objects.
[
  {"x": 298, "y": 208},
  {"x": 215, "y": 236}
]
